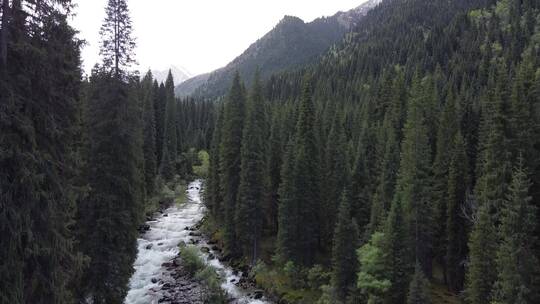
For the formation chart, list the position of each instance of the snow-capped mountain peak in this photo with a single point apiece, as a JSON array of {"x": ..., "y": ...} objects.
[{"x": 180, "y": 74}]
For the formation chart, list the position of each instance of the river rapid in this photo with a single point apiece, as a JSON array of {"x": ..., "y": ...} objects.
[{"x": 159, "y": 246}]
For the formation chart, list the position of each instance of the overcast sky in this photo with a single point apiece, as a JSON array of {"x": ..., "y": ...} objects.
[{"x": 198, "y": 35}]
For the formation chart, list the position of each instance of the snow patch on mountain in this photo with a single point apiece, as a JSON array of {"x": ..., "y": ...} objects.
[{"x": 179, "y": 74}]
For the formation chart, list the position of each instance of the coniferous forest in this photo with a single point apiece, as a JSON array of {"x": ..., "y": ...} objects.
[{"x": 402, "y": 166}]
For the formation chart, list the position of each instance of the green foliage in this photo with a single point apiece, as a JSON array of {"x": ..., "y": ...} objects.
[
  {"x": 117, "y": 43},
  {"x": 288, "y": 211},
  {"x": 39, "y": 155},
  {"x": 456, "y": 232},
  {"x": 482, "y": 269},
  {"x": 194, "y": 264},
  {"x": 149, "y": 134},
  {"x": 113, "y": 209},
  {"x": 414, "y": 185},
  {"x": 372, "y": 277},
  {"x": 170, "y": 139},
  {"x": 344, "y": 260},
  {"x": 249, "y": 217},
  {"x": 518, "y": 267},
  {"x": 212, "y": 192},
  {"x": 191, "y": 259},
  {"x": 203, "y": 168},
  {"x": 230, "y": 159},
  {"x": 397, "y": 253},
  {"x": 290, "y": 282},
  {"x": 419, "y": 291},
  {"x": 212, "y": 280},
  {"x": 317, "y": 276},
  {"x": 299, "y": 191},
  {"x": 114, "y": 171}
]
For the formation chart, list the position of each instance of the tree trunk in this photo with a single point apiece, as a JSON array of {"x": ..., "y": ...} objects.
[{"x": 6, "y": 14}]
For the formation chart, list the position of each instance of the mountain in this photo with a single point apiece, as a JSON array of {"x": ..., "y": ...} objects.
[
  {"x": 291, "y": 43},
  {"x": 179, "y": 74}
]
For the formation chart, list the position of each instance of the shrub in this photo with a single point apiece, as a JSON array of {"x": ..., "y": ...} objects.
[
  {"x": 212, "y": 282},
  {"x": 191, "y": 259}
]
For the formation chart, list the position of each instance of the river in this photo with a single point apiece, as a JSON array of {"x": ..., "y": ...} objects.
[{"x": 159, "y": 245}]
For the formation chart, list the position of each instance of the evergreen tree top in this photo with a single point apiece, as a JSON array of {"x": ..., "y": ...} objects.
[{"x": 117, "y": 45}]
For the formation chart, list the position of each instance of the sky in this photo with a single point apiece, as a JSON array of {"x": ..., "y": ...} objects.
[{"x": 198, "y": 35}]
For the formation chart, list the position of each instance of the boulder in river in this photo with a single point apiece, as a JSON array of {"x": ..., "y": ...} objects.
[
  {"x": 258, "y": 294},
  {"x": 144, "y": 227}
]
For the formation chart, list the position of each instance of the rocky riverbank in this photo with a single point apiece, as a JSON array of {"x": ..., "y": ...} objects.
[{"x": 160, "y": 276}]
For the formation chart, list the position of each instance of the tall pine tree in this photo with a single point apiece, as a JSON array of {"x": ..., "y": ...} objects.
[
  {"x": 414, "y": 181},
  {"x": 456, "y": 226},
  {"x": 517, "y": 265},
  {"x": 39, "y": 87},
  {"x": 149, "y": 133},
  {"x": 113, "y": 208},
  {"x": 170, "y": 144},
  {"x": 230, "y": 159},
  {"x": 482, "y": 269},
  {"x": 344, "y": 260},
  {"x": 249, "y": 217},
  {"x": 306, "y": 178}
]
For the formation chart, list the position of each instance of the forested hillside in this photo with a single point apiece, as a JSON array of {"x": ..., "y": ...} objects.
[{"x": 406, "y": 162}]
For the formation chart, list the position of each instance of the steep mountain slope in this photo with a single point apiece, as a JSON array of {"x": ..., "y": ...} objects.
[{"x": 292, "y": 43}]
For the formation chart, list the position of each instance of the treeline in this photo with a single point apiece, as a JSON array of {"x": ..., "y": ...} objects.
[
  {"x": 408, "y": 156},
  {"x": 80, "y": 158}
]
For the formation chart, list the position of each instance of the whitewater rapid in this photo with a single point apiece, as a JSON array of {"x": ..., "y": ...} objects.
[{"x": 160, "y": 245}]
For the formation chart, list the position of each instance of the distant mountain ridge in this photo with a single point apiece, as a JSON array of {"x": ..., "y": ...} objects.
[
  {"x": 179, "y": 74},
  {"x": 291, "y": 43}
]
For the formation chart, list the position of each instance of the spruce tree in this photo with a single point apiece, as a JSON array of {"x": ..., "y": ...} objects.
[
  {"x": 336, "y": 179},
  {"x": 288, "y": 213},
  {"x": 274, "y": 161},
  {"x": 373, "y": 277},
  {"x": 414, "y": 180},
  {"x": 249, "y": 208},
  {"x": 230, "y": 160},
  {"x": 149, "y": 129},
  {"x": 344, "y": 261},
  {"x": 115, "y": 162},
  {"x": 359, "y": 189},
  {"x": 117, "y": 44},
  {"x": 398, "y": 261},
  {"x": 419, "y": 291},
  {"x": 517, "y": 265},
  {"x": 306, "y": 178},
  {"x": 39, "y": 91},
  {"x": 456, "y": 232},
  {"x": 482, "y": 269},
  {"x": 160, "y": 103},
  {"x": 212, "y": 192},
  {"x": 168, "y": 166},
  {"x": 384, "y": 192},
  {"x": 493, "y": 164},
  {"x": 448, "y": 126}
]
